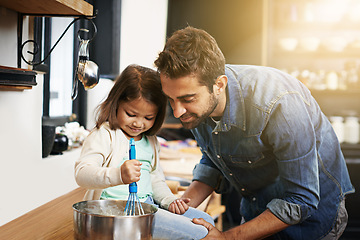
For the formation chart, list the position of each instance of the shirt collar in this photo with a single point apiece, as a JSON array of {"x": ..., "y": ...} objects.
[{"x": 234, "y": 113}]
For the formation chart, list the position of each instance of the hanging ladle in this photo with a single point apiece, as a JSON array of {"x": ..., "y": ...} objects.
[{"x": 87, "y": 72}]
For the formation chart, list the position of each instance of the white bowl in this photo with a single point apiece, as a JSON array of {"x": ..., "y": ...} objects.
[
  {"x": 335, "y": 44},
  {"x": 310, "y": 44},
  {"x": 288, "y": 44}
]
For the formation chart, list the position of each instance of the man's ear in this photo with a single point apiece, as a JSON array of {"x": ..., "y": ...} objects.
[{"x": 220, "y": 84}]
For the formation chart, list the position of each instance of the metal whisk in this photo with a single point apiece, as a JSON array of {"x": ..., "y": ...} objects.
[{"x": 133, "y": 206}]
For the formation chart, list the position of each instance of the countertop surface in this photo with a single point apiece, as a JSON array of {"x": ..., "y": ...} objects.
[{"x": 53, "y": 220}]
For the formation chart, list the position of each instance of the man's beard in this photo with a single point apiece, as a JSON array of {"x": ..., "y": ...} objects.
[{"x": 213, "y": 102}]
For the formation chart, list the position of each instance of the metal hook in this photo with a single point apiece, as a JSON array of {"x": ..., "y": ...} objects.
[
  {"x": 36, "y": 46},
  {"x": 87, "y": 30}
]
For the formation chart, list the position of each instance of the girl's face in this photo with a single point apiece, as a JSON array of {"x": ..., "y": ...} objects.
[{"x": 135, "y": 117}]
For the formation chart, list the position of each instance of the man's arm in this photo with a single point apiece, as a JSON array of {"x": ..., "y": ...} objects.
[
  {"x": 197, "y": 192},
  {"x": 264, "y": 225}
]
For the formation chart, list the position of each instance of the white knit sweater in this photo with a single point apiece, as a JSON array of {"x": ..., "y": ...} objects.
[{"x": 97, "y": 168}]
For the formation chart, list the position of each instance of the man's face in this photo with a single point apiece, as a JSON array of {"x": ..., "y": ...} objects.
[{"x": 191, "y": 102}]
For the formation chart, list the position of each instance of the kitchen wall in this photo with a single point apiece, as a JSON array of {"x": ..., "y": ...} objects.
[
  {"x": 236, "y": 25},
  {"x": 28, "y": 180},
  {"x": 143, "y": 31}
]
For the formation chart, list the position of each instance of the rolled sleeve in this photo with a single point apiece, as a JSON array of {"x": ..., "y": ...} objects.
[
  {"x": 289, "y": 213},
  {"x": 210, "y": 176}
]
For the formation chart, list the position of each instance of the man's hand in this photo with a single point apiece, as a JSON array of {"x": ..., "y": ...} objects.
[
  {"x": 213, "y": 232},
  {"x": 130, "y": 171},
  {"x": 263, "y": 226},
  {"x": 179, "y": 206}
]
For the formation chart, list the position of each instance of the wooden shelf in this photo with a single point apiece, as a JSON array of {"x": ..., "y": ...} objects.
[
  {"x": 350, "y": 150},
  {"x": 353, "y": 92},
  {"x": 321, "y": 53},
  {"x": 49, "y": 7},
  {"x": 16, "y": 78}
]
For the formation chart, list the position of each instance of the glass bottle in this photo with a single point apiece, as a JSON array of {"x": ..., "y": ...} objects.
[
  {"x": 352, "y": 130},
  {"x": 337, "y": 123}
]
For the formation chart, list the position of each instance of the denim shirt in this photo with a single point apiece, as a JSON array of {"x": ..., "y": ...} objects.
[{"x": 275, "y": 147}]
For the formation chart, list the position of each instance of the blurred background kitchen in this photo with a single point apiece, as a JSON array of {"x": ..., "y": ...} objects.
[{"x": 318, "y": 41}]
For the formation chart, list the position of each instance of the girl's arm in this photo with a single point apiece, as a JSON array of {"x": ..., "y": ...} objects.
[
  {"x": 161, "y": 192},
  {"x": 93, "y": 169}
]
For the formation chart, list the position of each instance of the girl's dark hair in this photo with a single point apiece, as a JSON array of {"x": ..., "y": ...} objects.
[
  {"x": 134, "y": 82},
  {"x": 192, "y": 51}
]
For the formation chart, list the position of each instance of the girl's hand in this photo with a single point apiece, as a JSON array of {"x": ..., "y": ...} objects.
[
  {"x": 179, "y": 206},
  {"x": 130, "y": 171}
]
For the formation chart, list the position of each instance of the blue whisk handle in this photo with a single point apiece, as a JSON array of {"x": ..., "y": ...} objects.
[
  {"x": 132, "y": 155},
  {"x": 132, "y": 152},
  {"x": 133, "y": 187}
]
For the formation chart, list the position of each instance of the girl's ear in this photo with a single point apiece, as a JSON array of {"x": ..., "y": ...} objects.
[{"x": 220, "y": 84}]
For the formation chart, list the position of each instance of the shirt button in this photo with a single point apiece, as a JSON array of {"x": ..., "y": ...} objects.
[
  {"x": 218, "y": 156},
  {"x": 254, "y": 199},
  {"x": 249, "y": 162}
]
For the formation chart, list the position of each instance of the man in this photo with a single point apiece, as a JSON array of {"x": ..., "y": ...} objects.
[{"x": 261, "y": 132}]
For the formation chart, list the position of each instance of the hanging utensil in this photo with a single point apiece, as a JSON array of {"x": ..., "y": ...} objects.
[{"x": 87, "y": 72}]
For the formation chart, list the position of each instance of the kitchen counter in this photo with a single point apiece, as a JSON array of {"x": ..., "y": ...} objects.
[
  {"x": 179, "y": 162},
  {"x": 53, "y": 220}
]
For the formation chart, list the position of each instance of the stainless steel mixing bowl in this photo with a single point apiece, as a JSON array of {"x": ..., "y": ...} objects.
[{"x": 104, "y": 219}]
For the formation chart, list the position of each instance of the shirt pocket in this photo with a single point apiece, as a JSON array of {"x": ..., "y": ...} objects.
[{"x": 242, "y": 161}]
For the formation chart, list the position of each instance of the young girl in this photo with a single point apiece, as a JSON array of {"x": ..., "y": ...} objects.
[{"x": 135, "y": 108}]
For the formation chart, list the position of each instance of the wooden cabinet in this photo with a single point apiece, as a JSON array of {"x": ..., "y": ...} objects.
[
  {"x": 18, "y": 78},
  {"x": 49, "y": 7}
]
